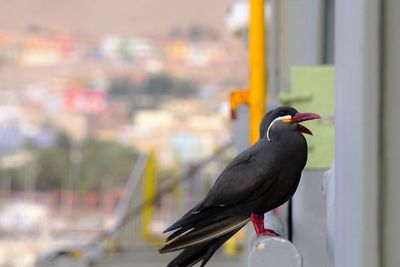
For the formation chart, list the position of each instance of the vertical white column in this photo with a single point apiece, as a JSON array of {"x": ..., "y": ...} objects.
[{"x": 357, "y": 62}]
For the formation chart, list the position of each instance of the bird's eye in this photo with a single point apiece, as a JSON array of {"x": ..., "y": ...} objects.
[{"x": 282, "y": 113}]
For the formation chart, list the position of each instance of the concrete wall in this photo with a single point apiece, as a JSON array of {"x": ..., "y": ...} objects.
[
  {"x": 368, "y": 128},
  {"x": 390, "y": 108},
  {"x": 357, "y": 60}
]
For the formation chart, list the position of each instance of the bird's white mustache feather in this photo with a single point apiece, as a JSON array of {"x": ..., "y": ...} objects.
[{"x": 272, "y": 123}]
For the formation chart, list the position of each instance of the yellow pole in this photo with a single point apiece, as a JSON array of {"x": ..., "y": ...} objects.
[
  {"x": 258, "y": 71},
  {"x": 256, "y": 96},
  {"x": 149, "y": 191}
]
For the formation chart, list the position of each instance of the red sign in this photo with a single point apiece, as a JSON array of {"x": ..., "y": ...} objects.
[{"x": 82, "y": 100}]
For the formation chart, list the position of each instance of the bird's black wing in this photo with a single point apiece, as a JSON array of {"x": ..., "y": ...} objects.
[
  {"x": 248, "y": 176},
  {"x": 202, "y": 230}
]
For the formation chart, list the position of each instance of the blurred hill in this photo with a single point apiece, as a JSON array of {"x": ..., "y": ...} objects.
[{"x": 125, "y": 17}]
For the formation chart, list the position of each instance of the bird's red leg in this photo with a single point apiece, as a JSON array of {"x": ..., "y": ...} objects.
[{"x": 258, "y": 224}]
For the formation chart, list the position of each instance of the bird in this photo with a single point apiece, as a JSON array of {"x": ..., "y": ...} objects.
[{"x": 257, "y": 180}]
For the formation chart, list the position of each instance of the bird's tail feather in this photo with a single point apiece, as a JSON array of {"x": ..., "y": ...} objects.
[
  {"x": 201, "y": 252},
  {"x": 195, "y": 225},
  {"x": 196, "y": 222},
  {"x": 199, "y": 239},
  {"x": 194, "y": 216},
  {"x": 200, "y": 235}
]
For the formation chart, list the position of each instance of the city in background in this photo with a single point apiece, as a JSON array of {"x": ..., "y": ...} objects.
[
  {"x": 84, "y": 90},
  {"x": 115, "y": 118}
]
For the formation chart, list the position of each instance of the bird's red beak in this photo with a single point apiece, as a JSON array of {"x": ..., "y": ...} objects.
[{"x": 299, "y": 117}]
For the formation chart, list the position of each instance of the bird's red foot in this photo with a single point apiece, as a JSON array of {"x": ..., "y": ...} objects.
[
  {"x": 269, "y": 232},
  {"x": 258, "y": 224}
]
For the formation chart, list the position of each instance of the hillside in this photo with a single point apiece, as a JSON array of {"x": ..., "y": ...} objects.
[{"x": 126, "y": 17}]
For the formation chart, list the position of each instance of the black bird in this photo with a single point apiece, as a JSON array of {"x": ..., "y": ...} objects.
[{"x": 259, "y": 179}]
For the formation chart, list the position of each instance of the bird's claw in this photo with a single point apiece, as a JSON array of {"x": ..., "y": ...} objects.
[{"x": 268, "y": 232}]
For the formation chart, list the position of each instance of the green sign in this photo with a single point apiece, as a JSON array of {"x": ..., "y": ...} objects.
[{"x": 313, "y": 90}]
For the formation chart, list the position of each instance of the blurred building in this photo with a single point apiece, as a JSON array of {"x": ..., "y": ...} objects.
[{"x": 179, "y": 133}]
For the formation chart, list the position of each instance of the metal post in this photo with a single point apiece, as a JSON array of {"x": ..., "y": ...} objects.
[
  {"x": 258, "y": 72},
  {"x": 274, "y": 251},
  {"x": 256, "y": 95},
  {"x": 149, "y": 189},
  {"x": 356, "y": 229}
]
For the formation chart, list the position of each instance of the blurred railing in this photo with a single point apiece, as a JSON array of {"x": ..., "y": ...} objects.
[
  {"x": 125, "y": 234},
  {"x": 273, "y": 251}
]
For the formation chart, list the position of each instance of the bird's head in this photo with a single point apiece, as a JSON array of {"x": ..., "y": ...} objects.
[{"x": 285, "y": 118}]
